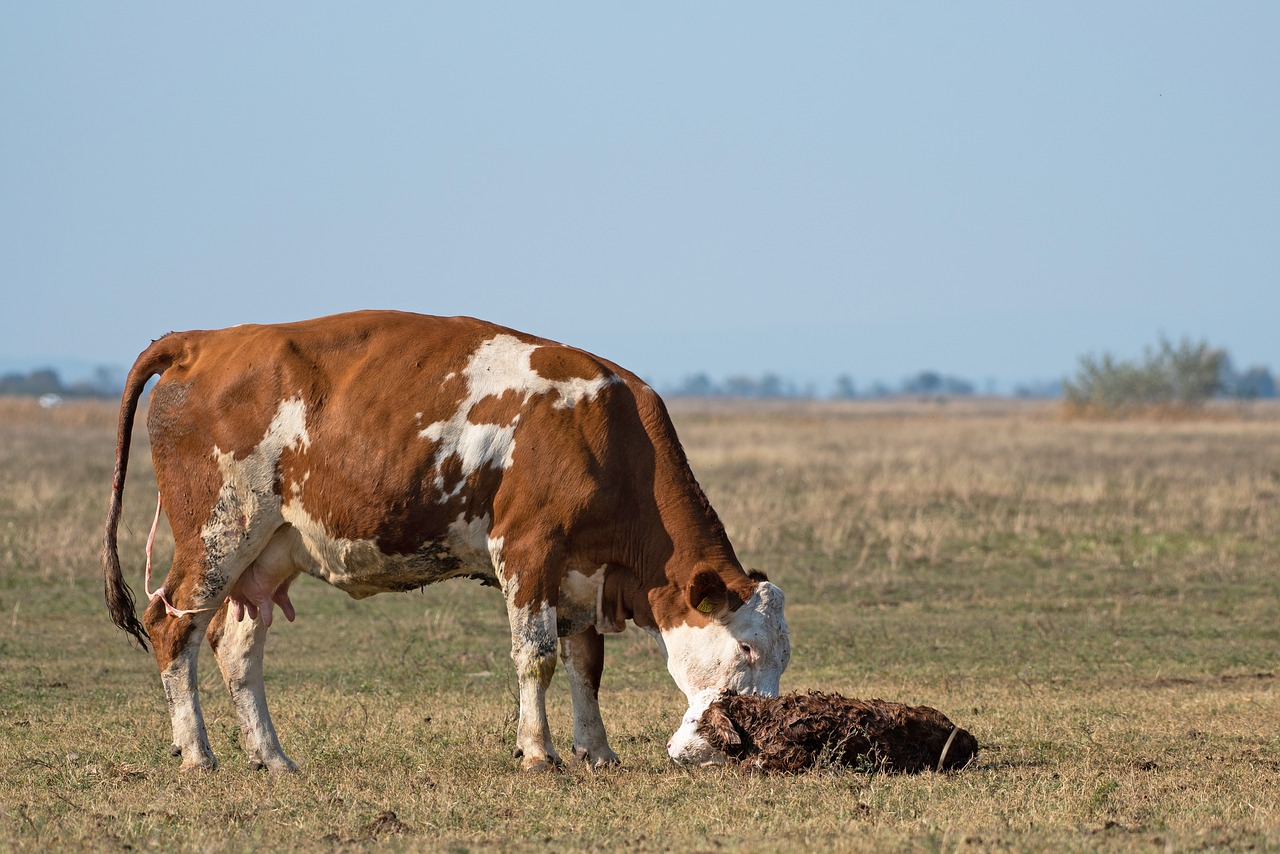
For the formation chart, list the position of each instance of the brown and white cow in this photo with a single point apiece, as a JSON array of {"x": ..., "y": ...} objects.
[{"x": 385, "y": 451}]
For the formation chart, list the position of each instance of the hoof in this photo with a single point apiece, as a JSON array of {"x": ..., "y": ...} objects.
[
  {"x": 603, "y": 758},
  {"x": 541, "y": 765},
  {"x": 208, "y": 763},
  {"x": 282, "y": 765}
]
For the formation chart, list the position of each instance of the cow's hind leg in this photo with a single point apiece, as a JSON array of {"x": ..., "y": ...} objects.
[
  {"x": 206, "y": 565},
  {"x": 175, "y": 620},
  {"x": 238, "y": 636},
  {"x": 238, "y": 646},
  {"x": 583, "y": 656}
]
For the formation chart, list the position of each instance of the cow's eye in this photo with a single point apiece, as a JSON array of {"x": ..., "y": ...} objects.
[{"x": 746, "y": 649}]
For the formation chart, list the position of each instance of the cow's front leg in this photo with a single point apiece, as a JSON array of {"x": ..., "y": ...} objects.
[
  {"x": 583, "y": 656},
  {"x": 533, "y": 649},
  {"x": 238, "y": 646}
]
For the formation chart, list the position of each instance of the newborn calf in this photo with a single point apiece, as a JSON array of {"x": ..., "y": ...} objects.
[{"x": 798, "y": 731}]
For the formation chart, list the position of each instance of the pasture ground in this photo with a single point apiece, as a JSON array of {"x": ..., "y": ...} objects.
[{"x": 1098, "y": 602}]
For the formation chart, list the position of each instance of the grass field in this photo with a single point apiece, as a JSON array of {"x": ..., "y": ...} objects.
[{"x": 1098, "y": 602}]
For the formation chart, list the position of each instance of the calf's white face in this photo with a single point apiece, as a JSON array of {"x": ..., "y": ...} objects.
[
  {"x": 688, "y": 746},
  {"x": 746, "y": 651}
]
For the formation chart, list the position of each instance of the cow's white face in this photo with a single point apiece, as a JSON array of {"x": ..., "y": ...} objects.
[
  {"x": 745, "y": 651},
  {"x": 688, "y": 746}
]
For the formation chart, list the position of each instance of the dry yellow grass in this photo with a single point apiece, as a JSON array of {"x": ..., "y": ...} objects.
[{"x": 1097, "y": 601}]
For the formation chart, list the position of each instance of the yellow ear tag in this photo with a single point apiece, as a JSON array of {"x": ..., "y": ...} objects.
[{"x": 705, "y": 606}]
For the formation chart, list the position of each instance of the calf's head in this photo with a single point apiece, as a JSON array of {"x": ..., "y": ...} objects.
[
  {"x": 692, "y": 742},
  {"x": 728, "y": 641}
]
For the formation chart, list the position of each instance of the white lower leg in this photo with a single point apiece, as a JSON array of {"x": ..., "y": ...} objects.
[
  {"x": 533, "y": 649},
  {"x": 239, "y": 654},
  {"x": 189, "y": 737},
  {"x": 590, "y": 742},
  {"x": 533, "y": 738}
]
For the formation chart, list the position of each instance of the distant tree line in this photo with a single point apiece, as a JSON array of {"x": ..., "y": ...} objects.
[
  {"x": 1185, "y": 375},
  {"x": 740, "y": 385},
  {"x": 925, "y": 383},
  {"x": 45, "y": 381}
]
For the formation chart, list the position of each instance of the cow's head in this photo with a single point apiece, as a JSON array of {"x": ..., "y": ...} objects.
[{"x": 728, "y": 641}]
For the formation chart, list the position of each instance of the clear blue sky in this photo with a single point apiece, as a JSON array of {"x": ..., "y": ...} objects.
[{"x": 986, "y": 189}]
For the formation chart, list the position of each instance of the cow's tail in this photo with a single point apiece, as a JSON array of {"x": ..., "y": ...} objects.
[{"x": 154, "y": 360}]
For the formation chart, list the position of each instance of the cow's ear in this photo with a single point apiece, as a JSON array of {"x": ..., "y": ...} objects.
[{"x": 707, "y": 592}]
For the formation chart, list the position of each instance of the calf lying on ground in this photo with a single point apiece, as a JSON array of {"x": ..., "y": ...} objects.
[{"x": 799, "y": 731}]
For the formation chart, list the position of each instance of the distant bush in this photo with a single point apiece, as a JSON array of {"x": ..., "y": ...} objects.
[{"x": 1184, "y": 376}]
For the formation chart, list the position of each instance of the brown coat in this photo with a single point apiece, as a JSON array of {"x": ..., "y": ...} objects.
[{"x": 796, "y": 732}]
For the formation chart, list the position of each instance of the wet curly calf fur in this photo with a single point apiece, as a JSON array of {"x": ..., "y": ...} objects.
[{"x": 796, "y": 732}]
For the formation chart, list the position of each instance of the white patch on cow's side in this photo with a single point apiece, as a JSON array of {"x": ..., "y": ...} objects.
[
  {"x": 746, "y": 652},
  {"x": 475, "y": 445},
  {"x": 498, "y": 366},
  {"x": 248, "y": 510},
  {"x": 288, "y": 428},
  {"x": 469, "y": 539},
  {"x": 248, "y": 507},
  {"x": 252, "y": 478},
  {"x": 687, "y": 745},
  {"x": 360, "y": 568}
]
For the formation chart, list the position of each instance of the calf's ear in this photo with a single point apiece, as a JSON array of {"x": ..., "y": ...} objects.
[
  {"x": 707, "y": 592},
  {"x": 723, "y": 729},
  {"x": 757, "y": 575}
]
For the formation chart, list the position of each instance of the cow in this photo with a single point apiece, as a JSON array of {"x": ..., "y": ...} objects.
[{"x": 384, "y": 451}]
